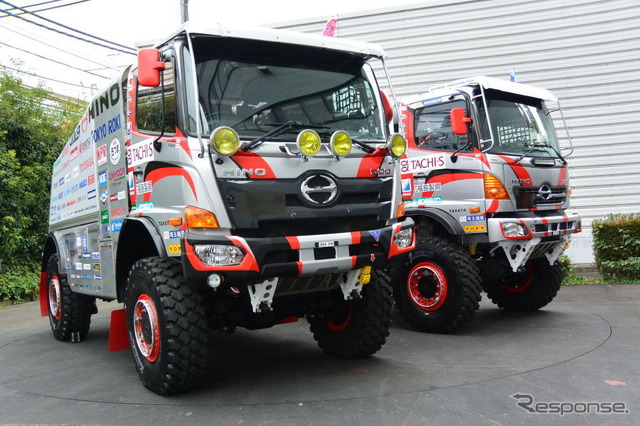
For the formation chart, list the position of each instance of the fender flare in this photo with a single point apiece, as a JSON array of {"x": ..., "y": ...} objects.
[
  {"x": 151, "y": 229},
  {"x": 451, "y": 225}
]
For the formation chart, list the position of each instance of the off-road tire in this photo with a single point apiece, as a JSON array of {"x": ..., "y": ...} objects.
[
  {"x": 169, "y": 341},
  {"x": 69, "y": 312},
  {"x": 438, "y": 288},
  {"x": 358, "y": 328},
  {"x": 525, "y": 291}
]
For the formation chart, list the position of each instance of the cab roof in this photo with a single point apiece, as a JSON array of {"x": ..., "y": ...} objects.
[
  {"x": 450, "y": 88},
  {"x": 364, "y": 49}
]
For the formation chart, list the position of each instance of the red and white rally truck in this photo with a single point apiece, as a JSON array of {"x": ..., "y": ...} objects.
[
  {"x": 486, "y": 182},
  {"x": 232, "y": 178}
]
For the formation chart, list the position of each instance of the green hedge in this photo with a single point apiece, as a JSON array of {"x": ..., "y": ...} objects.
[
  {"x": 616, "y": 246},
  {"x": 19, "y": 283}
]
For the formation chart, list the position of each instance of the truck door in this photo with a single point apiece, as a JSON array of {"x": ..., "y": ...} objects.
[{"x": 452, "y": 183}]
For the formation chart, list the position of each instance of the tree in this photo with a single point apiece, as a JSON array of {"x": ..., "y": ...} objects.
[{"x": 34, "y": 125}]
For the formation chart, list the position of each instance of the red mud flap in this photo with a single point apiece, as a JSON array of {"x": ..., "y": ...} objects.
[
  {"x": 118, "y": 339},
  {"x": 44, "y": 295}
]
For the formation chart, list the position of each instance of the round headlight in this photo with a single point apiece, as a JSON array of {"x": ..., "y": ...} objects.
[
  {"x": 309, "y": 142},
  {"x": 225, "y": 140},
  {"x": 340, "y": 143},
  {"x": 397, "y": 145}
]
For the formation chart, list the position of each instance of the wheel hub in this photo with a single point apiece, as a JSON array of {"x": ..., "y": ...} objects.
[
  {"x": 55, "y": 298},
  {"x": 145, "y": 327},
  {"x": 427, "y": 286}
]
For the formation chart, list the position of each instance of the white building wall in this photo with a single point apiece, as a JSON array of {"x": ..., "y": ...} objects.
[{"x": 587, "y": 52}]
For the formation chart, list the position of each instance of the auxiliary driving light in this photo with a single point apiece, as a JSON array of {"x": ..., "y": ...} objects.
[
  {"x": 214, "y": 280},
  {"x": 219, "y": 254},
  {"x": 397, "y": 145},
  {"x": 340, "y": 143},
  {"x": 308, "y": 142},
  {"x": 225, "y": 140},
  {"x": 514, "y": 230}
]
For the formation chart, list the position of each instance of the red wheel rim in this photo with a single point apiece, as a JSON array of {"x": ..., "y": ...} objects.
[
  {"x": 522, "y": 282},
  {"x": 337, "y": 327},
  {"x": 145, "y": 328},
  {"x": 427, "y": 286},
  {"x": 55, "y": 298}
]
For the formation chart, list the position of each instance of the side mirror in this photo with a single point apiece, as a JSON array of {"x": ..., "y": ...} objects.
[
  {"x": 388, "y": 109},
  {"x": 459, "y": 121},
  {"x": 149, "y": 67}
]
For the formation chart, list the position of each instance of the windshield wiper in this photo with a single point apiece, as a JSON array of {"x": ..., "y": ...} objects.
[
  {"x": 541, "y": 145},
  {"x": 295, "y": 125},
  {"x": 280, "y": 129}
]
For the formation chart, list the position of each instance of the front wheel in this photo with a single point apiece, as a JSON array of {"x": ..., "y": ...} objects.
[
  {"x": 356, "y": 328},
  {"x": 437, "y": 290},
  {"x": 527, "y": 290},
  {"x": 167, "y": 328},
  {"x": 69, "y": 312}
]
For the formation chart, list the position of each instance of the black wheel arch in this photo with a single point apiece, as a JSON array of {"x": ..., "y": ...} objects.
[
  {"x": 50, "y": 248},
  {"x": 139, "y": 238},
  {"x": 442, "y": 222}
]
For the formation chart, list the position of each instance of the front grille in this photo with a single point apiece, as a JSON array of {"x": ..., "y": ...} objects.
[
  {"x": 272, "y": 208},
  {"x": 528, "y": 197}
]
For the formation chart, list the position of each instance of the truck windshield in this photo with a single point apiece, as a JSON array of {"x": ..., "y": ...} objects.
[
  {"x": 520, "y": 126},
  {"x": 254, "y": 86}
]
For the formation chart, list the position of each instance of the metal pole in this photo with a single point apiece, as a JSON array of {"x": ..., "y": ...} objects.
[{"x": 184, "y": 11}]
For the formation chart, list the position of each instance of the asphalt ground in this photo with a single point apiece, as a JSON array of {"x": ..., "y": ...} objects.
[{"x": 575, "y": 362}]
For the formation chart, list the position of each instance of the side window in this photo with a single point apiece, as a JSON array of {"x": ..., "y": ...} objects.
[
  {"x": 433, "y": 128},
  {"x": 149, "y": 113}
]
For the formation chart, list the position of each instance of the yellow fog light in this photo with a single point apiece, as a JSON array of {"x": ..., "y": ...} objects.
[
  {"x": 308, "y": 142},
  {"x": 397, "y": 145},
  {"x": 225, "y": 140},
  {"x": 340, "y": 143}
]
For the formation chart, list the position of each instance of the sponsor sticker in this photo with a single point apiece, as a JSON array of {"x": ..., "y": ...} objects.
[
  {"x": 422, "y": 163},
  {"x": 174, "y": 249},
  {"x": 173, "y": 234},
  {"x": 140, "y": 153},
  {"x": 115, "y": 151},
  {"x": 425, "y": 201},
  {"x": 472, "y": 218},
  {"x": 475, "y": 228},
  {"x": 101, "y": 152}
]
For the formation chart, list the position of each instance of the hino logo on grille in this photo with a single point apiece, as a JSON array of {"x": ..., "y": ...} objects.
[
  {"x": 545, "y": 192},
  {"x": 319, "y": 189}
]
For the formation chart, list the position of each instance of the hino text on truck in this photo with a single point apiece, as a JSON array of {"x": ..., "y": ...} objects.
[
  {"x": 233, "y": 178},
  {"x": 486, "y": 182}
]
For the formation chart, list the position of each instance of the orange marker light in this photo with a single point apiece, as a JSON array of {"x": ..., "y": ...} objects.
[
  {"x": 494, "y": 189},
  {"x": 200, "y": 218}
]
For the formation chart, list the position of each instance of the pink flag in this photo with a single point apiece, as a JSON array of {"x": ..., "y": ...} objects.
[{"x": 330, "y": 26}]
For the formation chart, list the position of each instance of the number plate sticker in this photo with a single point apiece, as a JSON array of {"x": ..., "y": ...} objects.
[{"x": 326, "y": 244}]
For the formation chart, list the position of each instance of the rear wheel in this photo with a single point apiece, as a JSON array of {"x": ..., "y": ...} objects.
[
  {"x": 167, "y": 328},
  {"x": 69, "y": 312},
  {"x": 356, "y": 328},
  {"x": 437, "y": 290},
  {"x": 527, "y": 290}
]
